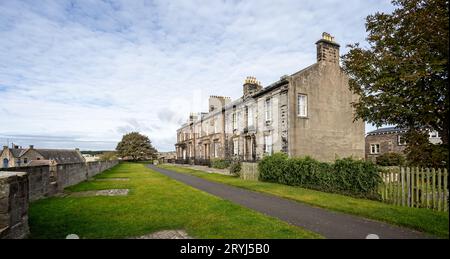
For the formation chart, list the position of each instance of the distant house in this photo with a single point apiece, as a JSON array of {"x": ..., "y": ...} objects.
[
  {"x": 17, "y": 156},
  {"x": 167, "y": 157},
  {"x": 90, "y": 158},
  {"x": 390, "y": 140}
]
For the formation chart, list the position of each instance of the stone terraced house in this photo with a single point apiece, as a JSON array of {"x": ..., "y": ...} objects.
[
  {"x": 17, "y": 156},
  {"x": 308, "y": 113},
  {"x": 391, "y": 140}
]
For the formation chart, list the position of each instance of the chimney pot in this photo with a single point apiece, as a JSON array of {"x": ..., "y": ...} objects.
[{"x": 327, "y": 49}]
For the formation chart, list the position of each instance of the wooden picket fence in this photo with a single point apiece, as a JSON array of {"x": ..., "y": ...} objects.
[{"x": 416, "y": 187}]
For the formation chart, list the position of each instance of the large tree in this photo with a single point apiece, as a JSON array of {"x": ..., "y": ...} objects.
[
  {"x": 135, "y": 146},
  {"x": 402, "y": 76}
]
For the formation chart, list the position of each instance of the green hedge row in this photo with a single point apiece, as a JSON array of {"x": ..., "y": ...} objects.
[
  {"x": 347, "y": 176},
  {"x": 220, "y": 163}
]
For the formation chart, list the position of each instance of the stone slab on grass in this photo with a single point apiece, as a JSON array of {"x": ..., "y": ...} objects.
[
  {"x": 112, "y": 192},
  {"x": 111, "y": 179},
  {"x": 166, "y": 234}
]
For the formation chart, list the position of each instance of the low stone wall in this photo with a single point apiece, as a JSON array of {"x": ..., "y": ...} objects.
[
  {"x": 249, "y": 171},
  {"x": 20, "y": 185},
  {"x": 45, "y": 181},
  {"x": 14, "y": 205}
]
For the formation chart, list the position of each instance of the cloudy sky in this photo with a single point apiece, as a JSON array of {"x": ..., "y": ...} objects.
[{"x": 83, "y": 73}]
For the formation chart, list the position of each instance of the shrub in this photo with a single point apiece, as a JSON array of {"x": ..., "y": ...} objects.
[
  {"x": 220, "y": 163},
  {"x": 391, "y": 159},
  {"x": 271, "y": 167},
  {"x": 347, "y": 176},
  {"x": 235, "y": 168}
]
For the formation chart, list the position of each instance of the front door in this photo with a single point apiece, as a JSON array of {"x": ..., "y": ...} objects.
[{"x": 5, "y": 163}]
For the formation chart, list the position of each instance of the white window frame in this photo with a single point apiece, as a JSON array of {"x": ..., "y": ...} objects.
[
  {"x": 375, "y": 149},
  {"x": 268, "y": 109},
  {"x": 400, "y": 140},
  {"x": 216, "y": 149},
  {"x": 268, "y": 144},
  {"x": 434, "y": 134},
  {"x": 249, "y": 116},
  {"x": 236, "y": 147},
  {"x": 234, "y": 119},
  {"x": 302, "y": 104}
]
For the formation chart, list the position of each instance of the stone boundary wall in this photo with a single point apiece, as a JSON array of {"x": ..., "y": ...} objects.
[
  {"x": 46, "y": 181},
  {"x": 20, "y": 185},
  {"x": 14, "y": 205},
  {"x": 249, "y": 171}
]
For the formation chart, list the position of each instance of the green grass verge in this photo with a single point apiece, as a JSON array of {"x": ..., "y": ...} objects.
[
  {"x": 432, "y": 222},
  {"x": 155, "y": 203}
]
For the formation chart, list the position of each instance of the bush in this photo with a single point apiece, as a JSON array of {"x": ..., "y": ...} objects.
[
  {"x": 391, "y": 159},
  {"x": 347, "y": 176},
  {"x": 235, "y": 168},
  {"x": 271, "y": 167},
  {"x": 220, "y": 163}
]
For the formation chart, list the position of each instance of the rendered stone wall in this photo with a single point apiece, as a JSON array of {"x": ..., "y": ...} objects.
[{"x": 14, "y": 198}]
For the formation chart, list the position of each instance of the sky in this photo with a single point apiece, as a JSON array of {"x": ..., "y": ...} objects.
[{"x": 80, "y": 74}]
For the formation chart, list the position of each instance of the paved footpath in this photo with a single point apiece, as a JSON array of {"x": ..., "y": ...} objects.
[{"x": 327, "y": 223}]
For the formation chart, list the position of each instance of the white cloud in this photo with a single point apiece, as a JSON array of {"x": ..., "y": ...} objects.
[{"x": 97, "y": 69}]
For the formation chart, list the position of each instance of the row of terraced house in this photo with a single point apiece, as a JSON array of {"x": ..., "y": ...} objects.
[{"x": 306, "y": 113}]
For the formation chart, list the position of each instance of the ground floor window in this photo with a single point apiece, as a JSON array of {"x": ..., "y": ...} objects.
[
  {"x": 374, "y": 149},
  {"x": 216, "y": 149},
  {"x": 268, "y": 145},
  {"x": 236, "y": 147}
]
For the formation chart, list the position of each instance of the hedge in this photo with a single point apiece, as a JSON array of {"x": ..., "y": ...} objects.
[
  {"x": 390, "y": 159},
  {"x": 220, "y": 163},
  {"x": 346, "y": 176}
]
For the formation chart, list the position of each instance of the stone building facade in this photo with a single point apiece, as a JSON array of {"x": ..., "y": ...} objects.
[
  {"x": 386, "y": 140},
  {"x": 390, "y": 140},
  {"x": 308, "y": 113},
  {"x": 16, "y": 156}
]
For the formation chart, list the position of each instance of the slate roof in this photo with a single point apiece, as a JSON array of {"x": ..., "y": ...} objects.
[
  {"x": 387, "y": 130},
  {"x": 17, "y": 152},
  {"x": 62, "y": 156}
]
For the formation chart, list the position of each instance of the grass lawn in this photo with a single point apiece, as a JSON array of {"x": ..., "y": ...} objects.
[
  {"x": 155, "y": 203},
  {"x": 433, "y": 222}
]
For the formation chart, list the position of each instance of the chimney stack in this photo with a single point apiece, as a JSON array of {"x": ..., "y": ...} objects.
[
  {"x": 327, "y": 49},
  {"x": 251, "y": 86}
]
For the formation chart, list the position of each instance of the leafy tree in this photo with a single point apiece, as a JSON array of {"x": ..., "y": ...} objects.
[
  {"x": 108, "y": 155},
  {"x": 402, "y": 77},
  {"x": 136, "y": 146},
  {"x": 420, "y": 152},
  {"x": 391, "y": 159}
]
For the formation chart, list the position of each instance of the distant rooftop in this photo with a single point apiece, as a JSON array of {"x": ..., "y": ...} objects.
[{"x": 387, "y": 130}]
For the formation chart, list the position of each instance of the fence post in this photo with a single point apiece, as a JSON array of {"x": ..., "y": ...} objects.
[
  {"x": 422, "y": 185},
  {"x": 433, "y": 186},
  {"x": 445, "y": 190},
  {"x": 416, "y": 186},
  {"x": 397, "y": 187},
  {"x": 391, "y": 180},
  {"x": 411, "y": 186},
  {"x": 439, "y": 193},
  {"x": 403, "y": 186}
]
